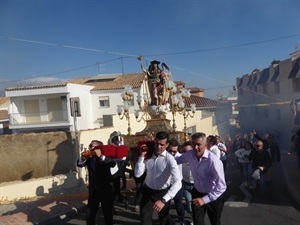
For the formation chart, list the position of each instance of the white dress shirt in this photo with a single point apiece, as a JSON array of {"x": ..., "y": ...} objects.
[
  {"x": 179, "y": 165},
  {"x": 223, "y": 154},
  {"x": 187, "y": 173},
  {"x": 161, "y": 172},
  {"x": 243, "y": 155},
  {"x": 215, "y": 149}
]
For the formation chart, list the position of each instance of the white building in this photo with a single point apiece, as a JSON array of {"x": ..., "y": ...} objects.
[
  {"x": 50, "y": 107},
  {"x": 94, "y": 101}
]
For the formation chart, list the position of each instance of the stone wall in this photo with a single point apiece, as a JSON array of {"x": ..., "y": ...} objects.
[{"x": 36, "y": 155}]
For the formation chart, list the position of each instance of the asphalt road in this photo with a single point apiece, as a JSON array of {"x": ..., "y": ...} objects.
[{"x": 242, "y": 207}]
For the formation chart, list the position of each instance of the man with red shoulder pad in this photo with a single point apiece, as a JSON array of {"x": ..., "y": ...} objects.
[{"x": 100, "y": 182}]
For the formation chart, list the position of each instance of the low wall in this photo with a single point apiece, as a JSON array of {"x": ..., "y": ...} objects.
[
  {"x": 36, "y": 155},
  {"x": 33, "y": 188},
  {"x": 41, "y": 163}
]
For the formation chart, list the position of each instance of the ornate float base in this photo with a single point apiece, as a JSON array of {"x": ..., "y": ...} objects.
[{"x": 155, "y": 124}]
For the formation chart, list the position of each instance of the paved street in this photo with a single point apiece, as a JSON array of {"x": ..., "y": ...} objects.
[{"x": 242, "y": 207}]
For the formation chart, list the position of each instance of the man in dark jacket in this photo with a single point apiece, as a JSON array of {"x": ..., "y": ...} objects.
[
  {"x": 100, "y": 183},
  {"x": 274, "y": 149},
  {"x": 261, "y": 162}
]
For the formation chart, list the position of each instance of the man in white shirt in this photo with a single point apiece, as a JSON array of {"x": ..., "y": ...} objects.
[
  {"x": 223, "y": 151},
  {"x": 211, "y": 142},
  {"x": 162, "y": 181},
  {"x": 187, "y": 179}
]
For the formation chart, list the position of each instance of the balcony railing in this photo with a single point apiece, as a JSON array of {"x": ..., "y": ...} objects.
[{"x": 38, "y": 118}]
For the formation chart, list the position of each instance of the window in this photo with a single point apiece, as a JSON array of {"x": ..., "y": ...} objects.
[
  {"x": 234, "y": 107},
  {"x": 241, "y": 91},
  {"x": 277, "y": 87},
  {"x": 265, "y": 89},
  {"x": 104, "y": 101},
  {"x": 32, "y": 111},
  {"x": 255, "y": 88},
  {"x": 107, "y": 121},
  {"x": 296, "y": 85},
  {"x": 278, "y": 114},
  {"x": 266, "y": 113},
  {"x": 55, "y": 111}
]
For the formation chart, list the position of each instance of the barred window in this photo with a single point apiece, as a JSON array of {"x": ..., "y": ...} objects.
[{"x": 104, "y": 101}]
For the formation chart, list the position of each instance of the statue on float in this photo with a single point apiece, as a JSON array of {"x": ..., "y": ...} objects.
[{"x": 157, "y": 78}]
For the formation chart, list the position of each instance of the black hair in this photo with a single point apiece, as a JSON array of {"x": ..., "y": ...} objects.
[
  {"x": 173, "y": 142},
  {"x": 162, "y": 135},
  {"x": 115, "y": 138},
  {"x": 212, "y": 139},
  {"x": 187, "y": 143},
  {"x": 96, "y": 141}
]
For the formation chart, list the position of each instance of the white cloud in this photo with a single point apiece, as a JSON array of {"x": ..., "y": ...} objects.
[{"x": 41, "y": 81}]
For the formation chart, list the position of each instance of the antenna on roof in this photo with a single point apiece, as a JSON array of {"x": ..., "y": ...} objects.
[
  {"x": 98, "y": 66},
  {"x": 122, "y": 66}
]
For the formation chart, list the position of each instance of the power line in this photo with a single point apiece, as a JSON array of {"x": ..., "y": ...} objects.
[
  {"x": 130, "y": 55},
  {"x": 226, "y": 47},
  {"x": 65, "y": 71},
  {"x": 151, "y": 55},
  {"x": 70, "y": 46}
]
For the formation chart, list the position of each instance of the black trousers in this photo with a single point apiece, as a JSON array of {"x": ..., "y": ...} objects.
[
  {"x": 213, "y": 209},
  {"x": 105, "y": 195},
  {"x": 149, "y": 196},
  {"x": 139, "y": 181}
]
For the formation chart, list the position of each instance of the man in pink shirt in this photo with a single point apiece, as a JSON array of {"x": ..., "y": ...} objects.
[{"x": 209, "y": 181}]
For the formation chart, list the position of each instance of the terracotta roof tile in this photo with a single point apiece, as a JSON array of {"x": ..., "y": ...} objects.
[
  {"x": 4, "y": 101},
  {"x": 200, "y": 102},
  {"x": 3, "y": 115},
  {"x": 195, "y": 89},
  {"x": 179, "y": 82},
  {"x": 116, "y": 82}
]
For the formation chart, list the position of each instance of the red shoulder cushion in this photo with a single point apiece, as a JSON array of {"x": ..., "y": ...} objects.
[
  {"x": 121, "y": 151},
  {"x": 108, "y": 150}
]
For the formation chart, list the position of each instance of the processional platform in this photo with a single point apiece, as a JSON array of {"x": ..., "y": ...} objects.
[{"x": 156, "y": 124}]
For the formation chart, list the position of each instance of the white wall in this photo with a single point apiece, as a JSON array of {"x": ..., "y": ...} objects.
[
  {"x": 114, "y": 99},
  {"x": 85, "y": 121}
]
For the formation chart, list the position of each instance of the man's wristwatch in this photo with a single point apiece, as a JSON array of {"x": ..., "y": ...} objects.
[{"x": 163, "y": 201}]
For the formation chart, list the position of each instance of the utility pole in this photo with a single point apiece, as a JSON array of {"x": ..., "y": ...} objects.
[{"x": 75, "y": 110}]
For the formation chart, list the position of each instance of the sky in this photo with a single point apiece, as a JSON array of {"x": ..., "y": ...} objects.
[{"x": 206, "y": 43}]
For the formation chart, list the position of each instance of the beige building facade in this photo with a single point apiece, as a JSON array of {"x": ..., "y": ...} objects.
[{"x": 269, "y": 98}]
